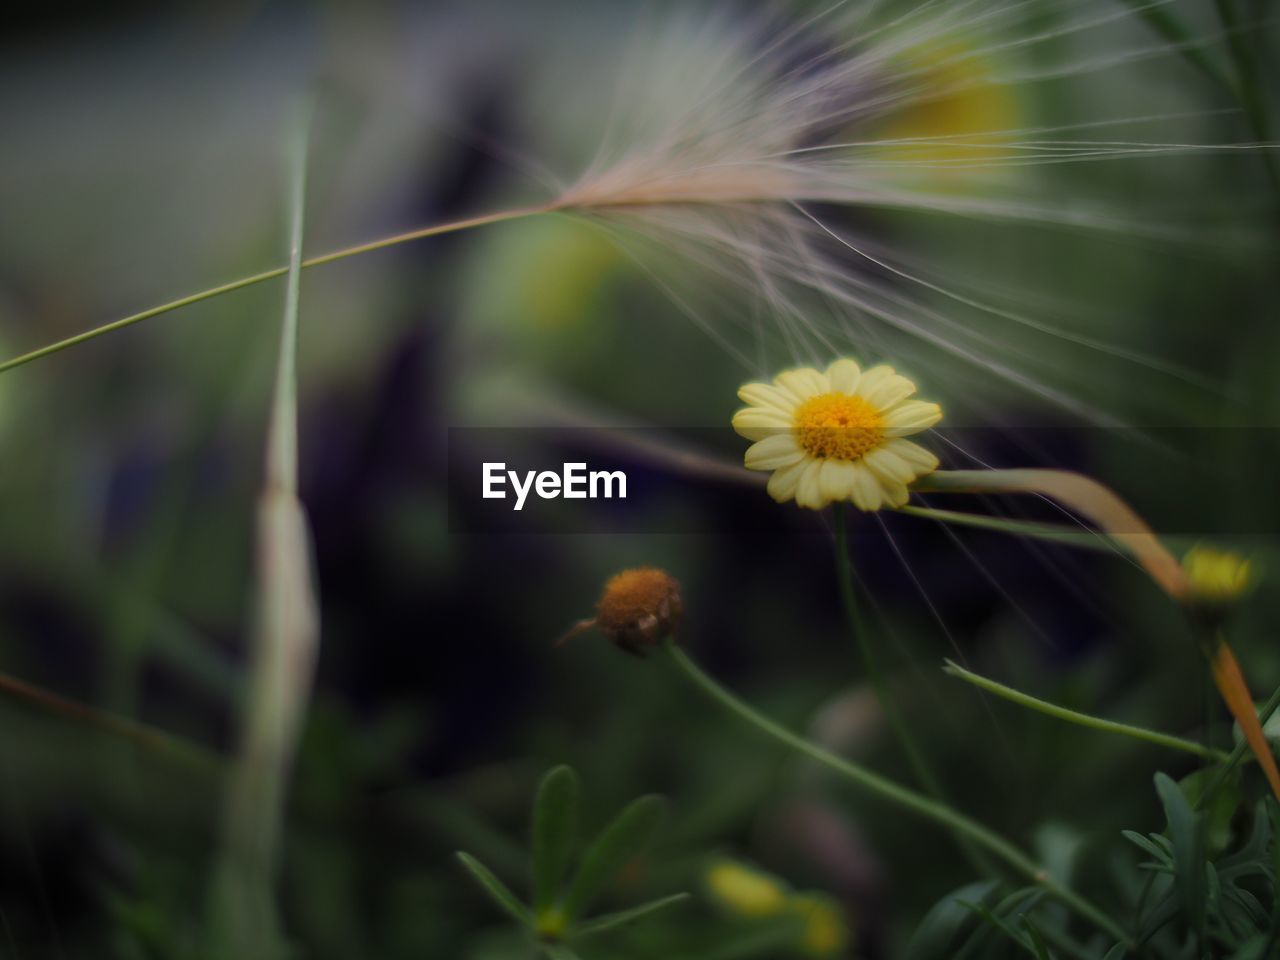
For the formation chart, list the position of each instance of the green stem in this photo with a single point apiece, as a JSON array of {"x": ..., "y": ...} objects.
[
  {"x": 1238, "y": 754},
  {"x": 272, "y": 274},
  {"x": 149, "y": 738},
  {"x": 1083, "y": 719},
  {"x": 871, "y": 660},
  {"x": 870, "y": 657},
  {"x": 899, "y": 796}
]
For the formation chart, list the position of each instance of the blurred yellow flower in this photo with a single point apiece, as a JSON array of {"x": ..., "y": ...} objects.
[
  {"x": 824, "y": 929},
  {"x": 837, "y": 436},
  {"x": 1216, "y": 577},
  {"x": 745, "y": 890},
  {"x": 955, "y": 111}
]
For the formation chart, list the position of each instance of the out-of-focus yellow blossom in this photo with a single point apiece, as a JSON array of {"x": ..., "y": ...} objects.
[
  {"x": 745, "y": 890},
  {"x": 1216, "y": 577},
  {"x": 825, "y": 934},
  {"x": 954, "y": 111}
]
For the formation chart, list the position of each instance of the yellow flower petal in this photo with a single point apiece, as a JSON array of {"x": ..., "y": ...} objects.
[
  {"x": 766, "y": 395},
  {"x": 802, "y": 383},
  {"x": 844, "y": 375},
  {"x": 778, "y": 450},
  {"x": 873, "y": 378},
  {"x": 866, "y": 492},
  {"x": 888, "y": 464},
  {"x": 756, "y": 423},
  {"x": 888, "y": 391},
  {"x": 916, "y": 456},
  {"x": 809, "y": 490},
  {"x": 783, "y": 483},
  {"x": 910, "y": 417},
  {"x": 837, "y": 479}
]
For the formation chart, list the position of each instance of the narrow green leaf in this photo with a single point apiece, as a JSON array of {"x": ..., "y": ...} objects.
[
  {"x": 946, "y": 922},
  {"x": 1147, "y": 846},
  {"x": 557, "y": 951},
  {"x": 1039, "y": 948},
  {"x": 1117, "y": 952},
  {"x": 618, "y": 844},
  {"x": 1187, "y": 835},
  {"x": 497, "y": 890},
  {"x": 555, "y": 829},
  {"x": 610, "y": 920}
]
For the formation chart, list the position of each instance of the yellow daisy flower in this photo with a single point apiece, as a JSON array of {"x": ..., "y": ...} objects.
[{"x": 837, "y": 436}]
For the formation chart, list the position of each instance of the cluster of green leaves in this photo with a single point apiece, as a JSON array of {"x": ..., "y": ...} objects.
[
  {"x": 1209, "y": 891},
  {"x": 556, "y": 917}
]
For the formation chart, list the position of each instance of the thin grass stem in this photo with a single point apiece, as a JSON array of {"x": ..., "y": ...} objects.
[
  {"x": 272, "y": 274},
  {"x": 900, "y": 796},
  {"x": 871, "y": 661},
  {"x": 149, "y": 738},
  {"x": 245, "y": 916},
  {"x": 1083, "y": 719}
]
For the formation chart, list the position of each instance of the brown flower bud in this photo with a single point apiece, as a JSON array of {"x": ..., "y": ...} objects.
[{"x": 638, "y": 609}]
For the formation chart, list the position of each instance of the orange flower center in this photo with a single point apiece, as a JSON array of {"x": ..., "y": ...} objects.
[{"x": 838, "y": 426}]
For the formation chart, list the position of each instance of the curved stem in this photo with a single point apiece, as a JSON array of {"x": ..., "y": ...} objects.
[
  {"x": 149, "y": 738},
  {"x": 899, "y": 796},
  {"x": 1241, "y": 748},
  {"x": 1083, "y": 719},
  {"x": 272, "y": 274}
]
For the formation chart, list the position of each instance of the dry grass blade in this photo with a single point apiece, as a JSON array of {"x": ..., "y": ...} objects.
[
  {"x": 1084, "y": 495},
  {"x": 285, "y": 638},
  {"x": 1230, "y": 682},
  {"x": 1129, "y": 531}
]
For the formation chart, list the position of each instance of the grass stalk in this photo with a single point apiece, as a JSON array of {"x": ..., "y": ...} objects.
[
  {"x": 285, "y": 637},
  {"x": 154, "y": 741},
  {"x": 272, "y": 274},
  {"x": 1084, "y": 719},
  {"x": 871, "y": 661},
  {"x": 900, "y": 796}
]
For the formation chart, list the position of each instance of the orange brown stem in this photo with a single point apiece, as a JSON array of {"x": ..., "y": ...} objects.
[{"x": 1230, "y": 683}]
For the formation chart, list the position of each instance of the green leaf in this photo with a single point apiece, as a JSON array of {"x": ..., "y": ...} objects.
[
  {"x": 1218, "y": 806},
  {"x": 496, "y": 889},
  {"x": 616, "y": 846},
  {"x": 1147, "y": 846},
  {"x": 1038, "y": 946},
  {"x": 1187, "y": 834},
  {"x": 1118, "y": 952},
  {"x": 946, "y": 922},
  {"x": 610, "y": 920},
  {"x": 555, "y": 830}
]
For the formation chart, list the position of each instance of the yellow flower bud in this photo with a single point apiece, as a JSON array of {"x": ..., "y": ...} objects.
[
  {"x": 745, "y": 890},
  {"x": 1216, "y": 578}
]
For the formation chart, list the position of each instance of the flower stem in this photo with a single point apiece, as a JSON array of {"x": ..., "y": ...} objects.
[
  {"x": 900, "y": 796},
  {"x": 1083, "y": 719},
  {"x": 1241, "y": 748},
  {"x": 870, "y": 658},
  {"x": 271, "y": 274}
]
